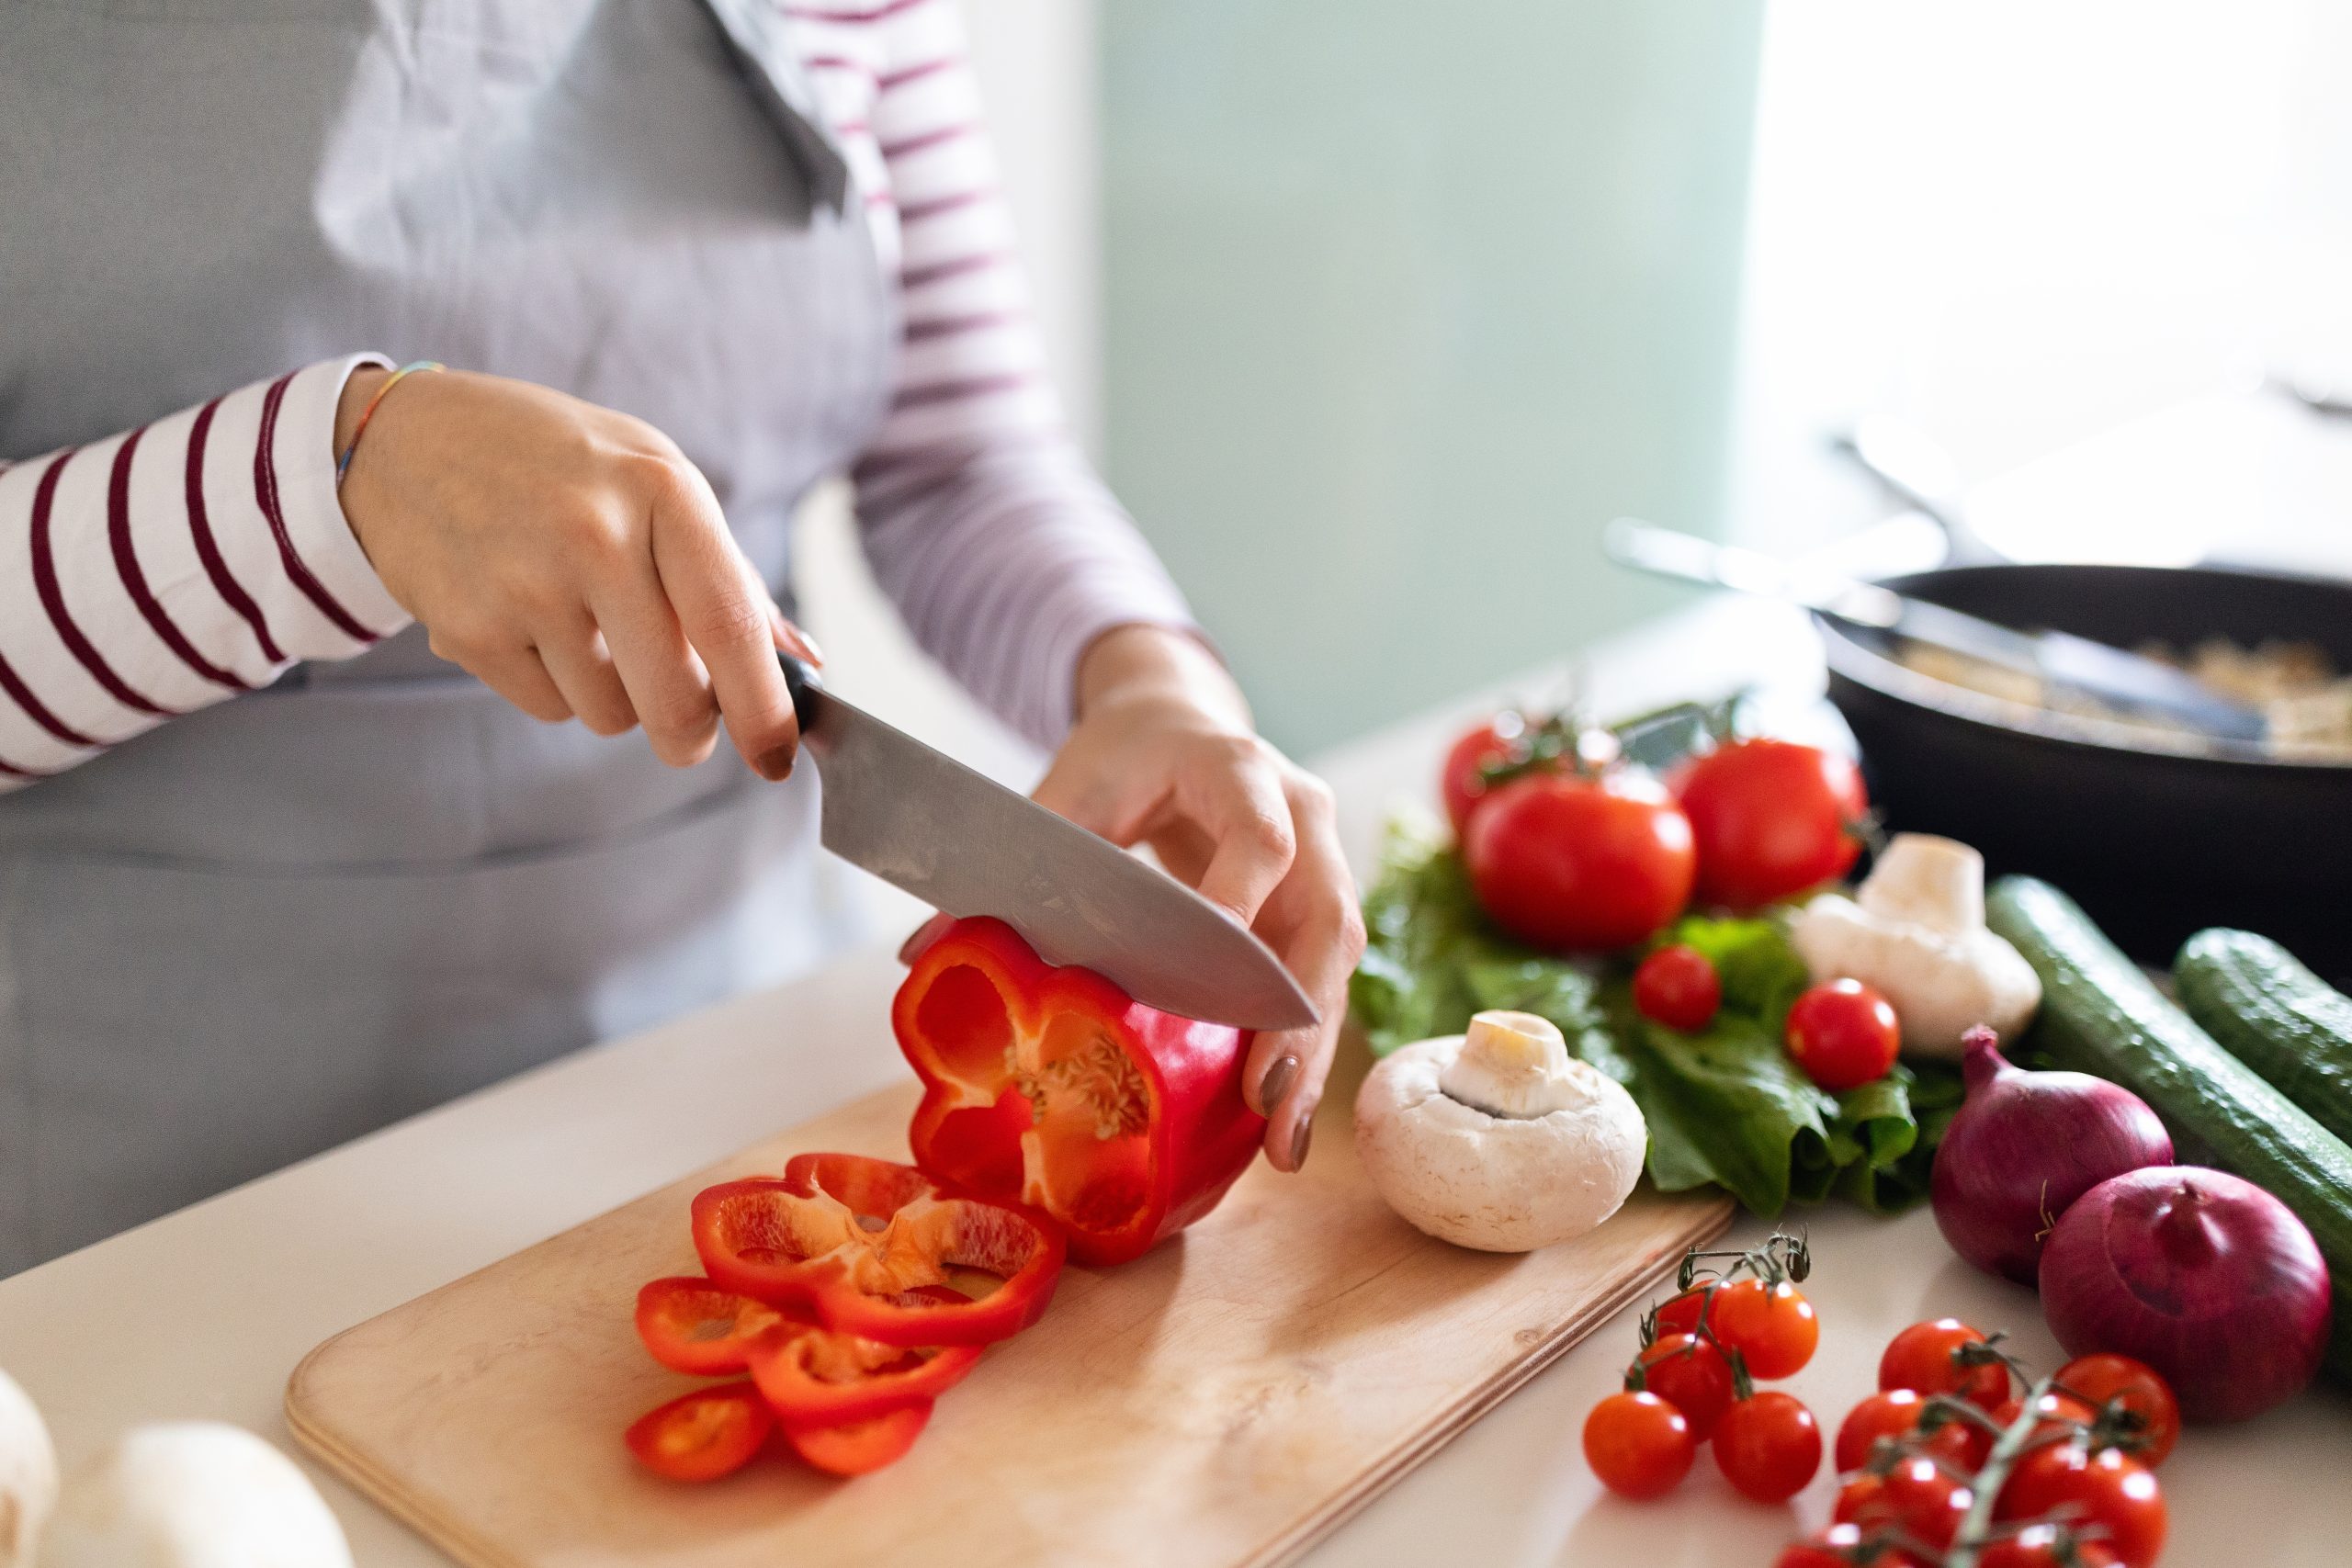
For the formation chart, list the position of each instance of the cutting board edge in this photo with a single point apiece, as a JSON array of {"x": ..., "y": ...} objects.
[
  {"x": 380, "y": 1490},
  {"x": 1706, "y": 1225}
]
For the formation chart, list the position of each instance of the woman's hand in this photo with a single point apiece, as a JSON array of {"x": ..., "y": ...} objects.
[
  {"x": 1163, "y": 752},
  {"x": 574, "y": 559}
]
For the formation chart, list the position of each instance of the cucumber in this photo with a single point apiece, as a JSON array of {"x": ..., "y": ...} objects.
[
  {"x": 2274, "y": 1015},
  {"x": 2100, "y": 1014}
]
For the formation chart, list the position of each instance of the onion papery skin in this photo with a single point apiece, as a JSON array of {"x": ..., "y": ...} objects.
[
  {"x": 2022, "y": 1147},
  {"x": 2201, "y": 1274}
]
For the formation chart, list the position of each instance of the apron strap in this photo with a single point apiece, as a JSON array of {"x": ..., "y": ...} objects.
[{"x": 755, "y": 30}]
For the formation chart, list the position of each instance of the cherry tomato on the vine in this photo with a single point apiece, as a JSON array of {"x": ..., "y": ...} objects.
[
  {"x": 1692, "y": 1376},
  {"x": 1678, "y": 987},
  {"x": 1580, "y": 862},
  {"x": 2142, "y": 1390},
  {"x": 1768, "y": 1446},
  {"x": 2056, "y": 1415},
  {"x": 2045, "y": 1546},
  {"x": 1683, "y": 1312},
  {"x": 1842, "y": 1546},
  {"x": 1462, "y": 782},
  {"x": 1917, "y": 1497},
  {"x": 1926, "y": 1357},
  {"x": 1896, "y": 1415},
  {"x": 1638, "y": 1445},
  {"x": 1843, "y": 1034},
  {"x": 2108, "y": 1489},
  {"x": 1771, "y": 1326},
  {"x": 1771, "y": 818}
]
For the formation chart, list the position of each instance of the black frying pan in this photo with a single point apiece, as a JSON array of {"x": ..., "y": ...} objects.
[{"x": 2154, "y": 843}]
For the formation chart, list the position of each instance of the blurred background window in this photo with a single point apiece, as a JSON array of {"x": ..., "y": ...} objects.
[{"x": 1377, "y": 314}]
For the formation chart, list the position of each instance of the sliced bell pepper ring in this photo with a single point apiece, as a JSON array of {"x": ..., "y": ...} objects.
[
  {"x": 1052, "y": 1087},
  {"x": 863, "y": 1447},
  {"x": 703, "y": 1435},
  {"x": 853, "y": 1242},
  {"x": 692, "y": 1326},
  {"x": 817, "y": 1378}
]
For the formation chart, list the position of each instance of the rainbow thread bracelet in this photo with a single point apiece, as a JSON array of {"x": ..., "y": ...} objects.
[{"x": 342, "y": 464}]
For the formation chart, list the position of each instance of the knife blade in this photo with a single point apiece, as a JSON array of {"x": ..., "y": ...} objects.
[
  {"x": 964, "y": 844},
  {"x": 2111, "y": 676}
]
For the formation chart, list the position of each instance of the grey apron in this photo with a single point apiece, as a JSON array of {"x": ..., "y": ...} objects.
[{"x": 278, "y": 923}]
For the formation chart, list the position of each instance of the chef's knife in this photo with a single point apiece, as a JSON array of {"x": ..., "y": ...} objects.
[
  {"x": 964, "y": 843},
  {"x": 2111, "y": 676}
]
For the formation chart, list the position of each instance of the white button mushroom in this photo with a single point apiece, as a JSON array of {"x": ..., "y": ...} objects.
[
  {"x": 1498, "y": 1139},
  {"x": 27, "y": 1475},
  {"x": 193, "y": 1495},
  {"x": 1914, "y": 932}
]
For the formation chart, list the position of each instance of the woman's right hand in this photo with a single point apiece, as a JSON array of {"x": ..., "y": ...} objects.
[{"x": 573, "y": 558}]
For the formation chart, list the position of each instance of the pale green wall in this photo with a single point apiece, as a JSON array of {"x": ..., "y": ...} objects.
[{"x": 1402, "y": 302}]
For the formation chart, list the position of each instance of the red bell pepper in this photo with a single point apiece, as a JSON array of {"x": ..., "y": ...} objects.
[
  {"x": 1053, "y": 1088},
  {"x": 862, "y": 1447},
  {"x": 853, "y": 1242},
  {"x": 817, "y": 1378},
  {"x": 810, "y": 1376},
  {"x": 692, "y": 1326},
  {"x": 703, "y": 1435}
]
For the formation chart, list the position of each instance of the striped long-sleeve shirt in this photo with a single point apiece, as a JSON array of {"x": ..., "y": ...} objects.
[{"x": 165, "y": 569}]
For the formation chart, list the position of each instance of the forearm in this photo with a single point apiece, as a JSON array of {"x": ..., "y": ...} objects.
[{"x": 157, "y": 572}]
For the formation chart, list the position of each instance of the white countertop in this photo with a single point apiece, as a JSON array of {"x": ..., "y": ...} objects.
[{"x": 204, "y": 1314}]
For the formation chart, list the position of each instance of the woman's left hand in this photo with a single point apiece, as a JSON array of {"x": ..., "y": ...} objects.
[{"x": 1164, "y": 753}]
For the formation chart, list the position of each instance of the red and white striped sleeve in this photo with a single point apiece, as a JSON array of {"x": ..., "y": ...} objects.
[
  {"x": 981, "y": 517},
  {"x": 152, "y": 573}
]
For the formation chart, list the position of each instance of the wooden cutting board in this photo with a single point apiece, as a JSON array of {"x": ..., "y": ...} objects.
[{"x": 1230, "y": 1399}]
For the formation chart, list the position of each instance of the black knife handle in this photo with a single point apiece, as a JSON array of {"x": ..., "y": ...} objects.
[{"x": 802, "y": 679}]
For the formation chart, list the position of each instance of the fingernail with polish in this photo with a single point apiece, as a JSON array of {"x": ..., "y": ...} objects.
[
  {"x": 1303, "y": 1134},
  {"x": 1275, "y": 1082},
  {"x": 775, "y": 765}
]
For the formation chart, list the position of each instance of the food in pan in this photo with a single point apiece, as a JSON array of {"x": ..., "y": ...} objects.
[{"x": 2307, "y": 703}]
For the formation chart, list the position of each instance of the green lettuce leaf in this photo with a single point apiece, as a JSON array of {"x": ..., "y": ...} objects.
[{"x": 1725, "y": 1106}]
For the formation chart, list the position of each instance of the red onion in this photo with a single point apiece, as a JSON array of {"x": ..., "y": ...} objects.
[
  {"x": 2204, "y": 1276},
  {"x": 2023, "y": 1147}
]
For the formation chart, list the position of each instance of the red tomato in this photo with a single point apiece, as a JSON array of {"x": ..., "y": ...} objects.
[
  {"x": 1462, "y": 782},
  {"x": 703, "y": 1435},
  {"x": 1638, "y": 1445},
  {"x": 1843, "y": 1034},
  {"x": 1575, "y": 862},
  {"x": 1925, "y": 1356},
  {"x": 1768, "y": 1446},
  {"x": 1896, "y": 1415},
  {"x": 2108, "y": 1489},
  {"x": 1915, "y": 1498},
  {"x": 2056, "y": 1415},
  {"x": 1678, "y": 987},
  {"x": 1772, "y": 1327},
  {"x": 2100, "y": 1380},
  {"x": 862, "y": 1446},
  {"x": 1692, "y": 1376},
  {"x": 2045, "y": 1546},
  {"x": 1682, "y": 1314},
  {"x": 1771, "y": 818},
  {"x": 1841, "y": 1546}
]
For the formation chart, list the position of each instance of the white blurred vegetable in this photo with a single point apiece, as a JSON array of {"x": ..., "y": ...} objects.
[
  {"x": 1914, "y": 932},
  {"x": 27, "y": 1475},
  {"x": 193, "y": 1495},
  {"x": 1498, "y": 1139}
]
